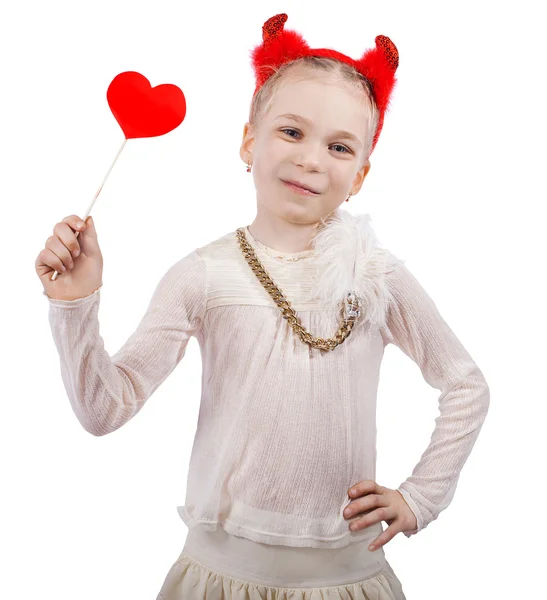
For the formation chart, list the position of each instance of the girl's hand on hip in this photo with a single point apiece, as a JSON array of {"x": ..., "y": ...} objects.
[{"x": 373, "y": 503}]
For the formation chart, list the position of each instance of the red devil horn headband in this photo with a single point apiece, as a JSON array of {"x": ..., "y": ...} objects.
[{"x": 280, "y": 46}]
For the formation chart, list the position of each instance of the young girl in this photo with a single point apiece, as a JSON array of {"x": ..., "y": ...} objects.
[{"x": 292, "y": 313}]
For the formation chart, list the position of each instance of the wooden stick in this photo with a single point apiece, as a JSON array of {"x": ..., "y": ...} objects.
[{"x": 54, "y": 277}]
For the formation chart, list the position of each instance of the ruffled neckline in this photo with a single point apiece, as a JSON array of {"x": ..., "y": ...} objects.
[{"x": 345, "y": 257}]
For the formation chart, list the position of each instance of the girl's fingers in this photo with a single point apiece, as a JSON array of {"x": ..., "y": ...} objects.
[
  {"x": 55, "y": 245},
  {"x": 75, "y": 222},
  {"x": 383, "y": 513},
  {"x": 385, "y": 537},
  {"x": 366, "y": 486},
  {"x": 49, "y": 258},
  {"x": 364, "y": 505},
  {"x": 68, "y": 237}
]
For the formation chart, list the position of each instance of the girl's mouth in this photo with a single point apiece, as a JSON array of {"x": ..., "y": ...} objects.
[{"x": 300, "y": 190}]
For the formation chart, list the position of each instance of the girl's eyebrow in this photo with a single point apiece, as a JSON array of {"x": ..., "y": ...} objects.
[{"x": 339, "y": 133}]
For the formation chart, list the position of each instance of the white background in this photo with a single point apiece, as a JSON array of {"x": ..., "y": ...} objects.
[{"x": 456, "y": 189}]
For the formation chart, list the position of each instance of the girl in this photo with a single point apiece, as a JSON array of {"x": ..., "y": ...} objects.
[{"x": 292, "y": 314}]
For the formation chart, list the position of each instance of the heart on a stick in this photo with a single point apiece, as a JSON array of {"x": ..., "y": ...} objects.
[{"x": 142, "y": 110}]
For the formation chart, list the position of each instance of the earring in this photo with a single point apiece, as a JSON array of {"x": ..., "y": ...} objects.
[
  {"x": 248, "y": 168},
  {"x": 347, "y": 199}
]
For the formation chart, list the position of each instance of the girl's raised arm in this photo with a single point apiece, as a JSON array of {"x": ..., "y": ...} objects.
[
  {"x": 106, "y": 392},
  {"x": 416, "y": 327}
]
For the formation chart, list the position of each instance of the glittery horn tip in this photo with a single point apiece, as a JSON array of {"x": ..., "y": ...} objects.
[{"x": 273, "y": 27}]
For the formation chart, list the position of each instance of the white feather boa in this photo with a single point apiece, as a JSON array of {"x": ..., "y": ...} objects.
[{"x": 349, "y": 258}]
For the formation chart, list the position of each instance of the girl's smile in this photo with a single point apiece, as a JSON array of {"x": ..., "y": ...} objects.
[{"x": 299, "y": 190}]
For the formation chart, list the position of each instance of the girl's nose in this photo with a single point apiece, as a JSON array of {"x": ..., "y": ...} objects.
[{"x": 310, "y": 162}]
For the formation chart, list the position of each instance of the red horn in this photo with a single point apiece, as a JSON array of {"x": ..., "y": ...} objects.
[{"x": 273, "y": 27}]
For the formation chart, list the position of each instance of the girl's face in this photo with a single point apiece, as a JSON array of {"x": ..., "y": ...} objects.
[{"x": 308, "y": 148}]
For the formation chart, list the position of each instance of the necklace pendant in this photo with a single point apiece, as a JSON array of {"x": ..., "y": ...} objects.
[{"x": 353, "y": 306}]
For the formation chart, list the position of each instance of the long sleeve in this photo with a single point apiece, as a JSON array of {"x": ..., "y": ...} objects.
[
  {"x": 416, "y": 327},
  {"x": 106, "y": 392}
]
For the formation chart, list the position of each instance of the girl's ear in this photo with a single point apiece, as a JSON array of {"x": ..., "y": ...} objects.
[
  {"x": 246, "y": 144},
  {"x": 360, "y": 177}
]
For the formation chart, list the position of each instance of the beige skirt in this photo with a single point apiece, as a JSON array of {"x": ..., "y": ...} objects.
[{"x": 215, "y": 565}]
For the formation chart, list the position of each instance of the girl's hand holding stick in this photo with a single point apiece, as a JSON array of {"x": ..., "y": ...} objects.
[{"x": 141, "y": 111}]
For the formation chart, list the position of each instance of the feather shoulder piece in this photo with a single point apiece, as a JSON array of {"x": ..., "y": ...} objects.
[{"x": 349, "y": 259}]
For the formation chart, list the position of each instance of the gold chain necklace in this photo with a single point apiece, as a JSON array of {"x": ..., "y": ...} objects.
[{"x": 350, "y": 308}]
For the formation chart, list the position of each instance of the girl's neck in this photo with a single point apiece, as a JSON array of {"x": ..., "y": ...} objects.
[
  {"x": 277, "y": 254},
  {"x": 281, "y": 236}
]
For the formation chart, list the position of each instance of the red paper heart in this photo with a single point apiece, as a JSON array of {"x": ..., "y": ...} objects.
[{"x": 142, "y": 110}]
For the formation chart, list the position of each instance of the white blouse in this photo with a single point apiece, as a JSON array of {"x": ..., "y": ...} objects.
[{"x": 284, "y": 429}]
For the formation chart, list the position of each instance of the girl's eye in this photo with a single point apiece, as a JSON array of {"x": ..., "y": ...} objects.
[{"x": 339, "y": 145}]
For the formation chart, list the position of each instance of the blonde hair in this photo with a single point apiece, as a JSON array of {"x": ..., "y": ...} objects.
[{"x": 303, "y": 68}]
